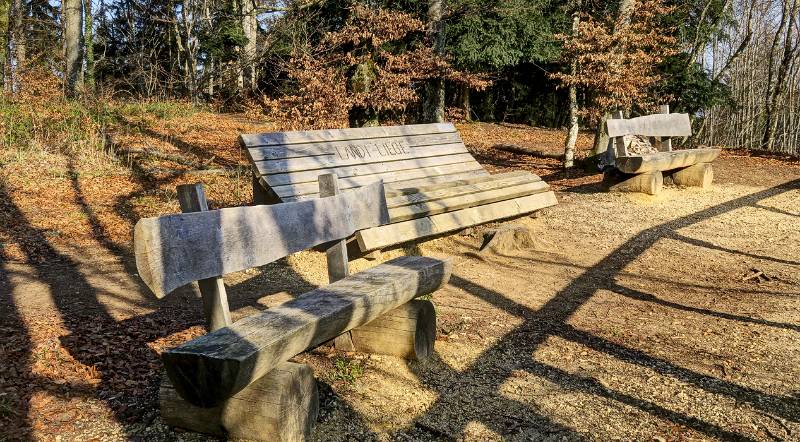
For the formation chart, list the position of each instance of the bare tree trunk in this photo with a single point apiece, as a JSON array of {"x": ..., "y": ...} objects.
[
  {"x": 789, "y": 49},
  {"x": 88, "y": 43},
  {"x": 572, "y": 134},
  {"x": 433, "y": 108},
  {"x": 248, "y": 53},
  {"x": 16, "y": 44},
  {"x": 73, "y": 57},
  {"x": 463, "y": 98}
]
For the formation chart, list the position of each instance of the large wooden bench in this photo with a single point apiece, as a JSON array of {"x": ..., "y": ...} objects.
[
  {"x": 433, "y": 184},
  {"x": 646, "y": 172},
  {"x": 236, "y": 380}
]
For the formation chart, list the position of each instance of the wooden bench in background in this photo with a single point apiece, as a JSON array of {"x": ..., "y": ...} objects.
[
  {"x": 433, "y": 184},
  {"x": 236, "y": 380},
  {"x": 646, "y": 173}
]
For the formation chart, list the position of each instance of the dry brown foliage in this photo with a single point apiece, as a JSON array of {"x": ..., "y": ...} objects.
[
  {"x": 616, "y": 61},
  {"x": 367, "y": 64}
]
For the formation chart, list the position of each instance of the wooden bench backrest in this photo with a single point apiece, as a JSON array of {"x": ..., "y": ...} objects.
[
  {"x": 289, "y": 163},
  {"x": 659, "y": 127},
  {"x": 174, "y": 250}
]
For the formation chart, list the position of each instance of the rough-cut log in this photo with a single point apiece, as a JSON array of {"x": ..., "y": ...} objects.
[
  {"x": 397, "y": 233},
  {"x": 408, "y": 331},
  {"x": 649, "y": 183},
  {"x": 664, "y": 125},
  {"x": 699, "y": 175},
  {"x": 280, "y": 406},
  {"x": 211, "y": 368},
  {"x": 665, "y": 160},
  {"x": 174, "y": 250}
]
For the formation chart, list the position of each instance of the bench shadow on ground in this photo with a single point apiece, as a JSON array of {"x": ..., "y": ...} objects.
[{"x": 551, "y": 320}]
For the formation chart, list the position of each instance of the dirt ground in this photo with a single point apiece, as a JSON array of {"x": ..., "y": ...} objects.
[{"x": 674, "y": 317}]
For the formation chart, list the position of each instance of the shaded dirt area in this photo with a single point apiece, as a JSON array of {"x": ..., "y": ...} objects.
[{"x": 634, "y": 317}]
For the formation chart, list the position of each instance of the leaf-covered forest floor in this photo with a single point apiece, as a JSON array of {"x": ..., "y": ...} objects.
[{"x": 634, "y": 317}]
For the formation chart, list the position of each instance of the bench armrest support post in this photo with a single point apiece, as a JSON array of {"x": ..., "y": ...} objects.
[
  {"x": 664, "y": 144},
  {"x": 192, "y": 198},
  {"x": 618, "y": 143},
  {"x": 336, "y": 254}
]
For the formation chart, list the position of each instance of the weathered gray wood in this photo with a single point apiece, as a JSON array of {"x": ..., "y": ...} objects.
[
  {"x": 450, "y": 191},
  {"x": 174, "y": 250},
  {"x": 405, "y": 178},
  {"x": 669, "y": 125},
  {"x": 361, "y": 133},
  {"x": 665, "y": 160},
  {"x": 617, "y": 142},
  {"x": 192, "y": 198},
  {"x": 395, "y": 189},
  {"x": 663, "y": 144},
  {"x": 336, "y": 254},
  {"x": 305, "y": 176},
  {"x": 698, "y": 175},
  {"x": 397, "y": 233},
  {"x": 211, "y": 368},
  {"x": 424, "y": 156},
  {"x": 449, "y": 204},
  {"x": 409, "y": 332},
  {"x": 266, "y": 153},
  {"x": 280, "y": 406},
  {"x": 649, "y": 183}
]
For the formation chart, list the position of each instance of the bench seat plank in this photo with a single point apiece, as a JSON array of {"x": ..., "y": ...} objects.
[
  {"x": 403, "y": 188},
  {"x": 397, "y": 233},
  {"x": 497, "y": 182},
  {"x": 662, "y": 161},
  {"x": 211, "y": 368},
  {"x": 442, "y": 205},
  {"x": 174, "y": 250}
]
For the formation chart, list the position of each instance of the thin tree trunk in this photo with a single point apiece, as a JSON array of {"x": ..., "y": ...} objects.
[
  {"x": 73, "y": 56},
  {"x": 572, "y": 134},
  {"x": 433, "y": 108},
  {"x": 789, "y": 48},
  {"x": 16, "y": 44},
  {"x": 248, "y": 52},
  {"x": 88, "y": 43},
  {"x": 463, "y": 98}
]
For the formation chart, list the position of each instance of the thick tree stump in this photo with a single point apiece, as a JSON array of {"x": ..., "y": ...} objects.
[
  {"x": 698, "y": 175},
  {"x": 407, "y": 332},
  {"x": 649, "y": 183},
  {"x": 280, "y": 406}
]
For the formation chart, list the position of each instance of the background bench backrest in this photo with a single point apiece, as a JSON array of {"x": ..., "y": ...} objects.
[
  {"x": 289, "y": 163},
  {"x": 658, "y": 127},
  {"x": 174, "y": 250}
]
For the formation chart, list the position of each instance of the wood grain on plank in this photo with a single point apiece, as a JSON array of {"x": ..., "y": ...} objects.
[
  {"x": 397, "y": 233},
  {"x": 665, "y": 125},
  {"x": 266, "y": 153},
  {"x": 174, "y": 250},
  {"x": 662, "y": 161},
  {"x": 211, "y": 368},
  {"x": 308, "y": 176},
  {"x": 311, "y": 136},
  {"x": 395, "y": 189},
  {"x": 414, "y": 177},
  {"x": 331, "y": 161},
  {"x": 451, "y": 191},
  {"x": 442, "y": 205},
  {"x": 409, "y": 332}
]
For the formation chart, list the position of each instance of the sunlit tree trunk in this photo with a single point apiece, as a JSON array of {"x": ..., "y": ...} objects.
[
  {"x": 73, "y": 55},
  {"x": 789, "y": 48},
  {"x": 15, "y": 44},
  {"x": 433, "y": 107},
  {"x": 572, "y": 134},
  {"x": 88, "y": 43},
  {"x": 248, "y": 52}
]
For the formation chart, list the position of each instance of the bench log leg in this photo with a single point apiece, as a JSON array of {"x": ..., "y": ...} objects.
[
  {"x": 260, "y": 194},
  {"x": 649, "y": 183},
  {"x": 698, "y": 175},
  {"x": 281, "y": 406},
  {"x": 408, "y": 331}
]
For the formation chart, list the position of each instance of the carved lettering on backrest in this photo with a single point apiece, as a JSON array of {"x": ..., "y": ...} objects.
[{"x": 368, "y": 151}]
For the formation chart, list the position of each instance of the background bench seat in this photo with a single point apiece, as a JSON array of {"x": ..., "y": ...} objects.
[{"x": 433, "y": 184}]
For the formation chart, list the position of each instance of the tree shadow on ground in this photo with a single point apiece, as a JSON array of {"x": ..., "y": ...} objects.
[{"x": 551, "y": 319}]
